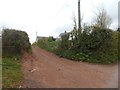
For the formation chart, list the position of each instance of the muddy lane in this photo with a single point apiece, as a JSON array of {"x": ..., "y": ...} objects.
[{"x": 43, "y": 69}]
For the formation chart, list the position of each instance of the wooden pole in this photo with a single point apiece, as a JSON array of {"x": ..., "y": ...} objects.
[
  {"x": 36, "y": 36},
  {"x": 79, "y": 17}
]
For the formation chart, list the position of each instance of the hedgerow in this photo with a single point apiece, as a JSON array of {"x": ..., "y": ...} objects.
[{"x": 14, "y": 42}]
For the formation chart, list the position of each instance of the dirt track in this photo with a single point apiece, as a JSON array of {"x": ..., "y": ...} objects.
[{"x": 46, "y": 70}]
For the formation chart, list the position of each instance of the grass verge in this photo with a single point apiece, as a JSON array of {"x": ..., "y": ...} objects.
[{"x": 11, "y": 72}]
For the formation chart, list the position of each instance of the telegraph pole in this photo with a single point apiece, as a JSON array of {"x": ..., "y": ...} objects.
[
  {"x": 119, "y": 16},
  {"x": 79, "y": 17},
  {"x": 36, "y": 36}
]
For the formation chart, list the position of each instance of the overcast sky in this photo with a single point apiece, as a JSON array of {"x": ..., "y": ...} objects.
[{"x": 51, "y": 17}]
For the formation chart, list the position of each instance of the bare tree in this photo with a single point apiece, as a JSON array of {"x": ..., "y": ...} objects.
[
  {"x": 74, "y": 21},
  {"x": 102, "y": 19}
]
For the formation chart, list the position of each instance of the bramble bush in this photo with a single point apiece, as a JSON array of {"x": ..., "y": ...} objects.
[{"x": 97, "y": 45}]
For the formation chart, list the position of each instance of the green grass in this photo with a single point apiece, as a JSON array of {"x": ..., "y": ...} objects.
[
  {"x": 107, "y": 55},
  {"x": 49, "y": 46},
  {"x": 11, "y": 72}
]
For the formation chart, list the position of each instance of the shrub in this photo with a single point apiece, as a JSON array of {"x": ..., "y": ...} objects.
[
  {"x": 97, "y": 45},
  {"x": 14, "y": 42},
  {"x": 48, "y": 44}
]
